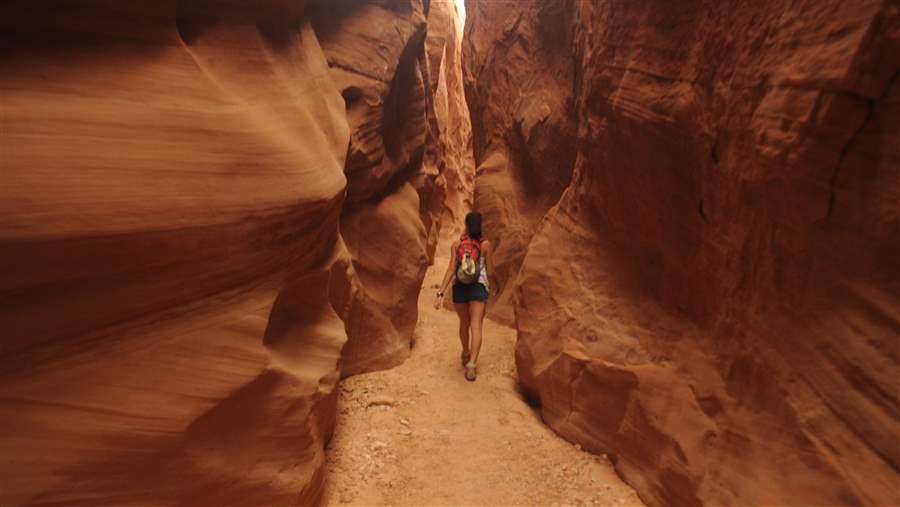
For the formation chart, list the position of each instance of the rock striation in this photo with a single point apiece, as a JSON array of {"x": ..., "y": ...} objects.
[
  {"x": 523, "y": 124},
  {"x": 697, "y": 215},
  {"x": 451, "y": 155},
  {"x": 407, "y": 170}
]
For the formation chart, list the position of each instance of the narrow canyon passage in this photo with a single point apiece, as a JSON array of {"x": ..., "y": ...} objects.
[
  {"x": 217, "y": 216},
  {"x": 420, "y": 434}
]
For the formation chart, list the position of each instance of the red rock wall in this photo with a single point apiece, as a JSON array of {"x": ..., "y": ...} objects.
[
  {"x": 518, "y": 84},
  {"x": 374, "y": 51},
  {"x": 452, "y": 157},
  {"x": 404, "y": 164},
  {"x": 191, "y": 256},
  {"x": 714, "y": 297}
]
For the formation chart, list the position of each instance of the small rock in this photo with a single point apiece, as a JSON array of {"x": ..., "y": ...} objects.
[
  {"x": 404, "y": 421},
  {"x": 406, "y": 431},
  {"x": 376, "y": 445},
  {"x": 347, "y": 496},
  {"x": 382, "y": 401},
  {"x": 577, "y": 447}
]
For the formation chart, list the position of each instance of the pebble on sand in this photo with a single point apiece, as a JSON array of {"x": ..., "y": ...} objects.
[{"x": 382, "y": 400}]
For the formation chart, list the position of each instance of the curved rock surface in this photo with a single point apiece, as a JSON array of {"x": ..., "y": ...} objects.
[
  {"x": 191, "y": 257},
  {"x": 402, "y": 156},
  {"x": 518, "y": 86},
  {"x": 452, "y": 157},
  {"x": 710, "y": 292},
  {"x": 375, "y": 52}
]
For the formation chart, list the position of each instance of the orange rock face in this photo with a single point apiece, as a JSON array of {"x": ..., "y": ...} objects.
[
  {"x": 402, "y": 156},
  {"x": 523, "y": 127},
  {"x": 452, "y": 156},
  {"x": 375, "y": 55},
  {"x": 191, "y": 256},
  {"x": 712, "y": 294}
]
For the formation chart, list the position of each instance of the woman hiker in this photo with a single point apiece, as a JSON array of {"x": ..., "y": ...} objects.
[{"x": 470, "y": 261}]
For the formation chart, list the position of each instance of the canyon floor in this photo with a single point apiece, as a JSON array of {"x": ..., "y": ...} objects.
[{"x": 420, "y": 434}]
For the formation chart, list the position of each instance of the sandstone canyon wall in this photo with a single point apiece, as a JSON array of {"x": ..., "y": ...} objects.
[
  {"x": 519, "y": 95},
  {"x": 453, "y": 158},
  {"x": 375, "y": 53},
  {"x": 706, "y": 275},
  {"x": 209, "y": 212}
]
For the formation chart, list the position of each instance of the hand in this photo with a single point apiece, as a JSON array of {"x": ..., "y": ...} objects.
[{"x": 438, "y": 300}]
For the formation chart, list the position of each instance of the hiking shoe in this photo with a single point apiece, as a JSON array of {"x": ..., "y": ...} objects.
[
  {"x": 464, "y": 357},
  {"x": 470, "y": 372}
]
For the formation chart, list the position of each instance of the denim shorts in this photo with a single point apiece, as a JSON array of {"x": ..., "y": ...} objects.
[{"x": 465, "y": 292}]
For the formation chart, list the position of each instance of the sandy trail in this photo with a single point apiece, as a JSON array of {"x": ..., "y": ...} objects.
[{"x": 420, "y": 434}]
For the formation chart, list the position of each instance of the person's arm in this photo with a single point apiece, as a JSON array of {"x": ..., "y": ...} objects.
[
  {"x": 448, "y": 277},
  {"x": 492, "y": 274}
]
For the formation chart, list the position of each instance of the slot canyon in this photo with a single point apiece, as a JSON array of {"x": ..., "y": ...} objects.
[{"x": 223, "y": 224}]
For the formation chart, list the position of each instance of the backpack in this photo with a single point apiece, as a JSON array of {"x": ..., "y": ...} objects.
[{"x": 467, "y": 266}]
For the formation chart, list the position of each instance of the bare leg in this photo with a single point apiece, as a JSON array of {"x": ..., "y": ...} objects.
[
  {"x": 476, "y": 314},
  {"x": 462, "y": 310}
]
